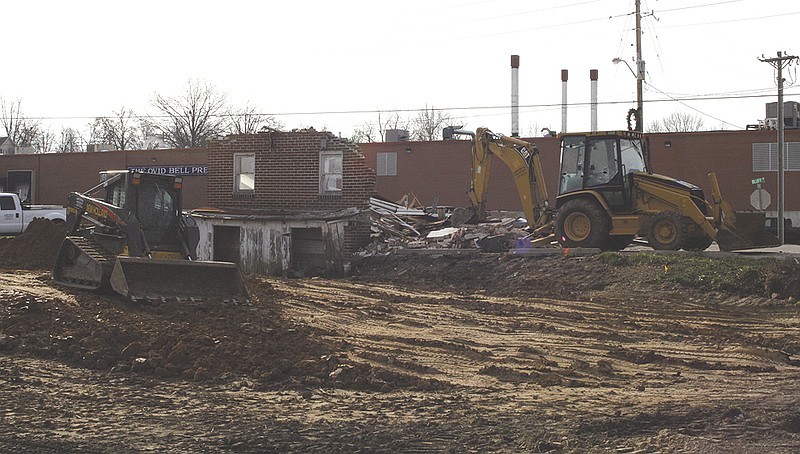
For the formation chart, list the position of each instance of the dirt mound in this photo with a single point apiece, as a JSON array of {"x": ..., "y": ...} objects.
[
  {"x": 34, "y": 249},
  {"x": 200, "y": 341},
  {"x": 572, "y": 277}
]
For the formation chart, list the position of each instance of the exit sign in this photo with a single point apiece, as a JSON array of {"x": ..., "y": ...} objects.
[{"x": 758, "y": 180}]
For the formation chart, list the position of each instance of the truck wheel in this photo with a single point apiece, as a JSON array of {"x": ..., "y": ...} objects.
[
  {"x": 697, "y": 244},
  {"x": 582, "y": 223},
  {"x": 666, "y": 231}
]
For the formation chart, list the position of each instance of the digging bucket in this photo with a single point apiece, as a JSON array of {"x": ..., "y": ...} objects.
[
  {"x": 747, "y": 232},
  {"x": 153, "y": 279}
]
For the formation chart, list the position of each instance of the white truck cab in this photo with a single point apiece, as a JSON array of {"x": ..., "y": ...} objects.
[{"x": 15, "y": 217}]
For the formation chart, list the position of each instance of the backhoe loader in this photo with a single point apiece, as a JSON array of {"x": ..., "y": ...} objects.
[
  {"x": 607, "y": 195},
  {"x": 128, "y": 234}
]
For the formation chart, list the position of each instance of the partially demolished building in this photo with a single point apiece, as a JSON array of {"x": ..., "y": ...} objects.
[{"x": 283, "y": 202}]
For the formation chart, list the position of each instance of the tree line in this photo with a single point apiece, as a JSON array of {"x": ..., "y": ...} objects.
[
  {"x": 202, "y": 112},
  {"x": 187, "y": 120}
]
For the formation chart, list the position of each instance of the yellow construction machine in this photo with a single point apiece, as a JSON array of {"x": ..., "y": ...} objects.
[
  {"x": 608, "y": 195},
  {"x": 128, "y": 234}
]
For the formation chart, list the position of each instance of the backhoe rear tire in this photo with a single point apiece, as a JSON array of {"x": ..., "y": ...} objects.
[
  {"x": 582, "y": 223},
  {"x": 666, "y": 231}
]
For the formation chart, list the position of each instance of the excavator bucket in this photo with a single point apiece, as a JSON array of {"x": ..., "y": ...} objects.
[
  {"x": 153, "y": 279},
  {"x": 745, "y": 231}
]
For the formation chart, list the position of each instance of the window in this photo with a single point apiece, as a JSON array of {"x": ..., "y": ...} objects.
[
  {"x": 330, "y": 173},
  {"x": 7, "y": 203},
  {"x": 602, "y": 162},
  {"x": 387, "y": 164},
  {"x": 765, "y": 156},
  {"x": 244, "y": 172},
  {"x": 572, "y": 164}
]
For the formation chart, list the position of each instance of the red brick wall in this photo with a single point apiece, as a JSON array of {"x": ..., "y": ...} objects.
[
  {"x": 442, "y": 170},
  {"x": 287, "y": 173},
  {"x": 57, "y": 174},
  {"x": 431, "y": 169}
]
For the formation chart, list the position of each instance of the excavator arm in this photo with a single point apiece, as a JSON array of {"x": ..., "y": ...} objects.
[{"x": 522, "y": 158}]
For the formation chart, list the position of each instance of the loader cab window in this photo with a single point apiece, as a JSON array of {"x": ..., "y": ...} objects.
[
  {"x": 155, "y": 211},
  {"x": 572, "y": 155},
  {"x": 632, "y": 156},
  {"x": 602, "y": 166}
]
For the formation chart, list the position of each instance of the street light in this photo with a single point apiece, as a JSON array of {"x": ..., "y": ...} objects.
[{"x": 639, "y": 75}]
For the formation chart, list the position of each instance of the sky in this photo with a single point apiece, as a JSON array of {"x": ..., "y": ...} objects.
[{"x": 337, "y": 66}]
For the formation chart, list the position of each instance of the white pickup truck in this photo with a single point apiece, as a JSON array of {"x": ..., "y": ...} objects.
[{"x": 15, "y": 217}]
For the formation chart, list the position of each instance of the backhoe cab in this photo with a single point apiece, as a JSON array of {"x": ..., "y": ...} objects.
[{"x": 608, "y": 195}]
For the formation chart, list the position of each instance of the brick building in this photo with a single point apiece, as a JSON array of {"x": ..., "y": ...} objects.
[
  {"x": 49, "y": 178},
  {"x": 439, "y": 172},
  {"x": 285, "y": 200}
]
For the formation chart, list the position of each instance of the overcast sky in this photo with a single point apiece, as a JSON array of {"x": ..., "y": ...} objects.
[{"x": 334, "y": 65}]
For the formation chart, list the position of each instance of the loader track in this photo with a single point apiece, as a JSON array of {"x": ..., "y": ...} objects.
[{"x": 98, "y": 254}]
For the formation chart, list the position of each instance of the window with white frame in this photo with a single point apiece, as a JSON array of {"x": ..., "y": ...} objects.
[
  {"x": 387, "y": 164},
  {"x": 330, "y": 173},
  {"x": 244, "y": 172},
  {"x": 765, "y": 156}
]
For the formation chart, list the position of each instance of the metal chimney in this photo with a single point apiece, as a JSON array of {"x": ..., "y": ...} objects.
[
  {"x": 593, "y": 78},
  {"x": 564, "y": 77},
  {"x": 515, "y": 96}
]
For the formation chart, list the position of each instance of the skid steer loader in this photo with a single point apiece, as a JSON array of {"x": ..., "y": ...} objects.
[{"x": 128, "y": 234}]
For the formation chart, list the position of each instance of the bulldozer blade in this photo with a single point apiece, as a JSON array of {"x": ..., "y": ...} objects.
[
  {"x": 140, "y": 278},
  {"x": 748, "y": 232}
]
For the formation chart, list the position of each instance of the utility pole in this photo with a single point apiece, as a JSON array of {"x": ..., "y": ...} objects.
[
  {"x": 639, "y": 67},
  {"x": 780, "y": 62}
]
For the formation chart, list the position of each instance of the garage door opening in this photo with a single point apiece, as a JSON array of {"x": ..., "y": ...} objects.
[
  {"x": 226, "y": 244},
  {"x": 308, "y": 251}
]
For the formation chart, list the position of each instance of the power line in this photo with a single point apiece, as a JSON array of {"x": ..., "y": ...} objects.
[{"x": 670, "y": 98}]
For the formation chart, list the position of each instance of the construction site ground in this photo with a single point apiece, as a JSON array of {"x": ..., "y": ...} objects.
[{"x": 428, "y": 352}]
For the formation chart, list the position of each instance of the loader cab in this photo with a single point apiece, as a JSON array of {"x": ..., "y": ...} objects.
[
  {"x": 155, "y": 201},
  {"x": 602, "y": 162}
]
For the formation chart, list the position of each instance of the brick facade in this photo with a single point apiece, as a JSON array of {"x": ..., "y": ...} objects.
[
  {"x": 288, "y": 173},
  {"x": 287, "y": 178}
]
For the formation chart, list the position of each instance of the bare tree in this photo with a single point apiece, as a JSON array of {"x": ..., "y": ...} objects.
[
  {"x": 677, "y": 122},
  {"x": 247, "y": 120},
  {"x": 192, "y": 118},
  {"x": 428, "y": 124},
  {"x": 370, "y": 132},
  {"x": 71, "y": 141},
  {"x": 22, "y": 131},
  {"x": 44, "y": 141},
  {"x": 122, "y": 131}
]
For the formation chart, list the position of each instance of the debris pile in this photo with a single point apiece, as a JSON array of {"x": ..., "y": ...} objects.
[{"x": 396, "y": 227}]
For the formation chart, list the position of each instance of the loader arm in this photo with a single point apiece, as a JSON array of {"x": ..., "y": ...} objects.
[{"x": 522, "y": 158}]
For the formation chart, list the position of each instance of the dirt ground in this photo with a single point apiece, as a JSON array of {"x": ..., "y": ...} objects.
[{"x": 425, "y": 352}]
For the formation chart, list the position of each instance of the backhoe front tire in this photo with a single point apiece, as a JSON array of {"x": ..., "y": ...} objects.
[
  {"x": 697, "y": 244},
  {"x": 666, "y": 231},
  {"x": 582, "y": 223},
  {"x": 619, "y": 242}
]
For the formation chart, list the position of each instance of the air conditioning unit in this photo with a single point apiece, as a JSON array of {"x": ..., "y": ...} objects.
[{"x": 396, "y": 135}]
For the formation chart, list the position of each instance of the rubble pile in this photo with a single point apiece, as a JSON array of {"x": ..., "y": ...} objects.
[{"x": 396, "y": 227}]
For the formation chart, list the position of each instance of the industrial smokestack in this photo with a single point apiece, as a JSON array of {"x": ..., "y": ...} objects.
[
  {"x": 515, "y": 96},
  {"x": 564, "y": 77},
  {"x": 593, "y": 78}
]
